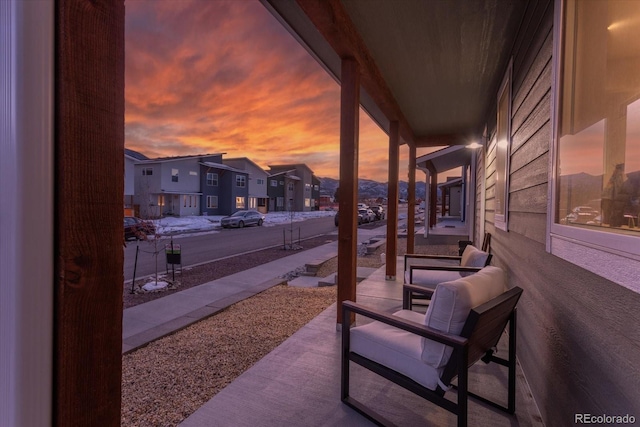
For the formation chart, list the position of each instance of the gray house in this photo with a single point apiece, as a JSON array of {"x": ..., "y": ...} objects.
[
  {"x": 168, "y": 186},
  {"x": 258, "y": 197},
  {"x": 131, "y": 157},
  {"x": 281, "y": 190},
  {"x": 225, "y": 189},
  {"x": 299, "y": 188}
]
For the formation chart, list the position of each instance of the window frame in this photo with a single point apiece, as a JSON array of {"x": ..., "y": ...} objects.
[
  {"x": 608, "y": 254},
  {"x": 175, "y": 175},
  {"x": 210, "y": 204},
  {"x": 213, "y": 182},
  {"x": 241, "y": 181},
  {"x": 501, "y": 220},
  {"x": 241, "y": 202}
]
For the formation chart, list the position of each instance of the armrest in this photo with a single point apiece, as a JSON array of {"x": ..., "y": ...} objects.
[
  {"x": 444, "y": 268},
  {"x": 416, "y": 289},
  {"x": 408, "y": 257},
  {"x": 454, "y": 341}
]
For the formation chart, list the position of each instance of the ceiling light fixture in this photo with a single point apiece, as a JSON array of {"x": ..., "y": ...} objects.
[{"x": 474, "y": 145}]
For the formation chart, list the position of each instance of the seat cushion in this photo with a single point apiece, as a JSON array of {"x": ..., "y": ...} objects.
[
  {"x": 473, "y": 257},
  {"x": 451, "y": 304},
  {"x": 430, "y": 278},
  {"x": 396, "y": 349}
]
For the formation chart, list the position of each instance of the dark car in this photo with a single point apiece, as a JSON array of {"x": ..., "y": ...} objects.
[
  {"x": 379, "y": 211},
  {"x": 242, "y": 218},
  {"x": 136, "y": 228}
]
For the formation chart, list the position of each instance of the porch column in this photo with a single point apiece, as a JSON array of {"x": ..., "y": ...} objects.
[
  {"x": 411, "y": 214},
  {"x": 433, "y": 193},
  {"x": 348, "y": 225},
  {"x": 392, "y": 197}
]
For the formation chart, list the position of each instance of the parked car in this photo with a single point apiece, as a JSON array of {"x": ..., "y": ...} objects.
[
  {"x": 378, "y": 211},
  {"x": 136, "y": 228},
  {"x": 242, "y": 218},
  {"x": 582, "y": 215},
  {"x": 367, "y": 215}
]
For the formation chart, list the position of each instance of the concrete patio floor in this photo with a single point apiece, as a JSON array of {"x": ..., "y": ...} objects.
[{"x": 298, "y": 384}]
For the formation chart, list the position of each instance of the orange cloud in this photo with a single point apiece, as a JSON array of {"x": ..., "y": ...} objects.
[{"x": 222, "y": 76}]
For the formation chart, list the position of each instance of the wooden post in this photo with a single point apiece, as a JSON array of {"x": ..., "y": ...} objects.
[
  {"x": 433, "y": 193},
  {"x": 392, "y": 219},
  {"x": 89, "y": 187},
  {"x": 348, "y": 224},
  {"x": 411, "y": 213}
]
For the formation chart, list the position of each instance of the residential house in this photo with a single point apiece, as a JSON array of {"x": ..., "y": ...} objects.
[
  {"x": 315, "y": 193},
  {"x": 258, "y": 197},
  {"x": 130, "y": 159},
  {"x": 168, "y": 186},
  {"x": 280, "y": 189},
  {"x": 299, "y": 187},
  {"x": 225, "y": 189}
]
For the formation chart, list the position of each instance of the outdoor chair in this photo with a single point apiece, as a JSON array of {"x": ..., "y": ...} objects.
[
  {"x": 424, "y": 353},
  {"x": 486, "y": 244},
  {"x": 423, "y": 272}
]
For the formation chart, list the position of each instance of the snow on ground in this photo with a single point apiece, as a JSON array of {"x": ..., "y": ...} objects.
[{"x": 211, "y": 223}]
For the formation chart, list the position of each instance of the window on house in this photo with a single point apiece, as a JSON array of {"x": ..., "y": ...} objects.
[
  {"x": 260, "y": 181},
  {"x": 253, "y": 202},
  {"x": 212, "y": 179},
  {"x": 174, "y": 175},
  {"x": 161, "y": 200},
  {"x": 596, "y": 201},
  {"x": 212, "y": 202},
  {"x": 290, "y": 186},
  {"x": 240, "y": 203},
  {"x": 147, "y": 171},
  {"x": 307, "y": 203},
  {"x": 502, "y": 148},
  {"x": 274, "y": 183},
  {"x": 316, "y": 187},
  {"x": 280, "y": 202},
  {"x": 281, "y": 182},
  {"x": 241, "y": 181}
]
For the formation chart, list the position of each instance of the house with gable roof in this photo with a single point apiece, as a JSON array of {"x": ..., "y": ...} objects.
[
  {"x": 299, "y": 184},
  {"x": 258, "y": 197}
]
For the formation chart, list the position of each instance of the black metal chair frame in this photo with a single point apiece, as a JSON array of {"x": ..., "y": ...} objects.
[
  {"x": 417, "y": 292},
  {"x": 480, "y": 335}
]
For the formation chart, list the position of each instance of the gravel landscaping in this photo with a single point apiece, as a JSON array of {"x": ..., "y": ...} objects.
[{"x": 166, "y": 381}]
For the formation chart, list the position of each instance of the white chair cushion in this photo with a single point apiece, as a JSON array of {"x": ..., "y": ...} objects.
[
  {"x": 430, "y": 278},
  {"x": 473, "y": 257},
  {"x": 396, "y": 349},
  {"x": 451, "y": 304}
]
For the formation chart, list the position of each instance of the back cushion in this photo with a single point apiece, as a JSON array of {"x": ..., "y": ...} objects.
[
  {"x": 451, "y": 304},
  {"x": 473, "y": 257}
]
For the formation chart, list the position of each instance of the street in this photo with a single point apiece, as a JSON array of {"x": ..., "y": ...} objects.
[{"x": 198, "y": 248}]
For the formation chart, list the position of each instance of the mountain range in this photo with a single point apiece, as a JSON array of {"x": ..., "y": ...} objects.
[{"x": 369, "y": 189}]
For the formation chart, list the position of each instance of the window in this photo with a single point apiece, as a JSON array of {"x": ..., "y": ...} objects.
[
  {"x": 212, "y": 179},
  {"x": 174, "y": 175},
  {"x": 190, "y": 201},
  {"x": 280, "y": 202},
  {"x": 260, "y": 181},
  {"x": 212, "y": 202},
  {"x": 193, "y": 173},
  {"x": 274, "y": 182},
  {"x": 241, "y": 181},
  {"x": 596, "y": 199},
  {"x": 503, "y": 144},
  {"x": 281, "y": 182},
  {"x": 307, "y": 203},
  {"x": 290, "y": 186},
  {"x": 240, "y": 202},
  {"x": 147, "y": 171},
  {"x": 253, "y": 202},
  {"x": 316, "y": 187}
]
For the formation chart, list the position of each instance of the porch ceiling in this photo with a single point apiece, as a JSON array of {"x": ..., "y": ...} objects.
[
  {"x": 445, "y": 159},
  {"x": 434, "y": 66}
]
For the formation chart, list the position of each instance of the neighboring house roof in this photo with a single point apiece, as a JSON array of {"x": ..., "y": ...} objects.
[
  {"x": 134, "y": 155},
  {"x": 175, "y": 158},
  {"x": 282, "y": 173},
  {"x": 291, "y": 166},
  {"x": 244, "y": 159},
  {"x": 222, "y": 166}
]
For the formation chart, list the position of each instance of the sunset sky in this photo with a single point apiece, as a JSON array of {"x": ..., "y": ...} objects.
[{"x": 225, "y": 76}]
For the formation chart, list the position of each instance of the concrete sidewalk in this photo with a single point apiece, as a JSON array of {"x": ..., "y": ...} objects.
[{"x": 152, "y": 320}]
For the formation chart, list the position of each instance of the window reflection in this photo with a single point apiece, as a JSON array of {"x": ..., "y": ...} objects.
[{"x": 599, "y": 146}]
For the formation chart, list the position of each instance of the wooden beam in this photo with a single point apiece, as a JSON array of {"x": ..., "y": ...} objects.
[
  {"x": 89, "y": 148},
  {"x": 333, "y": 22},
  {"x": 411, "y": 213},
  {"x": 347, "y": 219},
  {"x": 433, "y": 193},
  {"x": 392, "y": 205}
]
